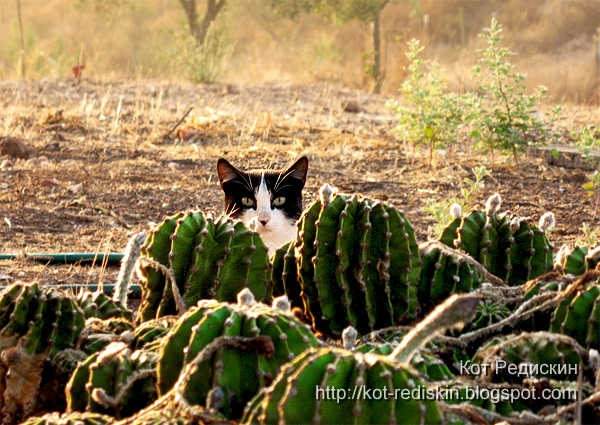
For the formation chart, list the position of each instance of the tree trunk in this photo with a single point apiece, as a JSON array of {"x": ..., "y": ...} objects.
[
  {"x": 199, "y": 29},
  {"x": 21, "y": 42},
  {"x": 377, "y": 73}
]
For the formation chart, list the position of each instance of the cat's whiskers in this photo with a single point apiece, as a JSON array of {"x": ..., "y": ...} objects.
[
  {"x": 231, "y": 211},
  {"x": 280, "y": 178},
  {"x": 247, "y": 184}
]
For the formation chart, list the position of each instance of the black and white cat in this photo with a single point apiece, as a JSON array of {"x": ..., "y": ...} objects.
[{"x": 268, "y": 200}]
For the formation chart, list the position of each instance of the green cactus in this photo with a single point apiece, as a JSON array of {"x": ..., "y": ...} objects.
[
  {"x": 98, "y": 333},
  {"x": 578, "y": 315},
  {"x": 115, "y": 381},
  {"x": 35, "y": 324},
  {"x": 284, "y": 274},
  {"x": 75, "y": 418},
  {"x": 510, "y": 247},
  {"x": 358, "y": 264},
  {"x": 148, "y": 335},
  {"x": 42, "y": 320},
  {"x": 335, "y": 385},
  {"x": 443, "y": 274},
  {"x": 543, "y": 354},
  {"x": 207, "y": 258},
  {"x": 173, "y": 410},
  {"x": 578, "y": 260},
  {"x": 550, "y": 285},
  {"x": 153, "y": 280},
  {"x": 429, "y": 365},
  {"x": 294, "y": 396},
  {"x": 230, "y": 375},
  {"x": 98, "y": 304}
]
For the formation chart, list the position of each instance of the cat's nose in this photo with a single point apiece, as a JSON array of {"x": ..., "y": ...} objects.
[{"x": 263, "y": 221}]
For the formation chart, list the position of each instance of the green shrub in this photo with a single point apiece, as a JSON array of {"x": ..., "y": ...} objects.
[{"x": 507, "y": 118}]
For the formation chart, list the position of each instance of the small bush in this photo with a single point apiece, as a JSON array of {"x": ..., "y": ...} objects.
[
  {"x": 204, "y": 63},
  {"x": 508, "y": 119},
  {"x": 431, "y": 115}
]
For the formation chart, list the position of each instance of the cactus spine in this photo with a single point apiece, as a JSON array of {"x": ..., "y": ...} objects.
[{"x": 98, "y": 304}]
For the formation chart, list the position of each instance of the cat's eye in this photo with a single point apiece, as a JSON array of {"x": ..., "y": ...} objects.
[
  {"x": 279, "y": 201},
  {"x": 247, "y": 201}
]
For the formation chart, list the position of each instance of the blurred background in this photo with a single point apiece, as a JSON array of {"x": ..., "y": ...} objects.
[{"x": 299, "y": 41}]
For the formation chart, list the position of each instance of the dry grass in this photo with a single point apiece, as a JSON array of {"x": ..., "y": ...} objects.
[{"x": 555, "y": 40}]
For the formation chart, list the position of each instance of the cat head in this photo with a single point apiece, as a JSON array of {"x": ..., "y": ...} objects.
[{"x": 268, "y": 200}]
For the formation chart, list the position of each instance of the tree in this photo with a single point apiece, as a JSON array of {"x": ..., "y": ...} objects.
[
  {"x": 199, "y": 28},
  {"x": 368, "y": 11}
]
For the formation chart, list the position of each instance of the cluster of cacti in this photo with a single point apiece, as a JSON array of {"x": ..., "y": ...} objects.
[
  {"x": 221, "y": 376},
  {"x": 357, "y": 264},
  {"x": 192, "y": 256},
  {"x": 510, "y": 247},
  {"x": 335, "y": 385},
  {"x": 35, "y": 324},
  {"x": 115, "y": 381},
  {"x": 41, "y": 320}
]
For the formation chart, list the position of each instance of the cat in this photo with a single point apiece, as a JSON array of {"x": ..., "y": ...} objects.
[{"x": 269, "y": 201}]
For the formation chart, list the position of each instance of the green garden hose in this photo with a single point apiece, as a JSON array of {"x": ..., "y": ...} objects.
[
  {"x": 111, "y": 258},
  {"x": 125, "y": 260}
]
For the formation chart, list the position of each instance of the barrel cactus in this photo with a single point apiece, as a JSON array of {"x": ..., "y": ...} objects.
[
  {"x": 35, "y": 324},
  {"x": 228, "y": 376},
  {"x": 443, "y": 273},
  {"x": 540, "y": 354},
  {"x": 358, "y": 263},
  {"x": 42, "y": 320},
  {"x": 284, "y": 274},
  {"x": 148, "y": 334},
  {"x": 578, "y": 315},
  {"x": 429, "y": 365},
  {"x": 205, "y": 257},
  {"x": 337, "y": 385},
  {"x": 577, "y": 260},
  {"x": 307, "y": 391},
  {"x": 510, "y": 247},
  {"x": 98, "y": 304},
  {"x": 115, "y": 381}
]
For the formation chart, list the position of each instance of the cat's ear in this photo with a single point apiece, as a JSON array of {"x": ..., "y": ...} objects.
[
  {"x": 298, "y": 170},
  {"x": 226, "y": 171}
]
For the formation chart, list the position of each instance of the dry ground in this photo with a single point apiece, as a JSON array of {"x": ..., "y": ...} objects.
[{"x": 109, "y": 160}]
